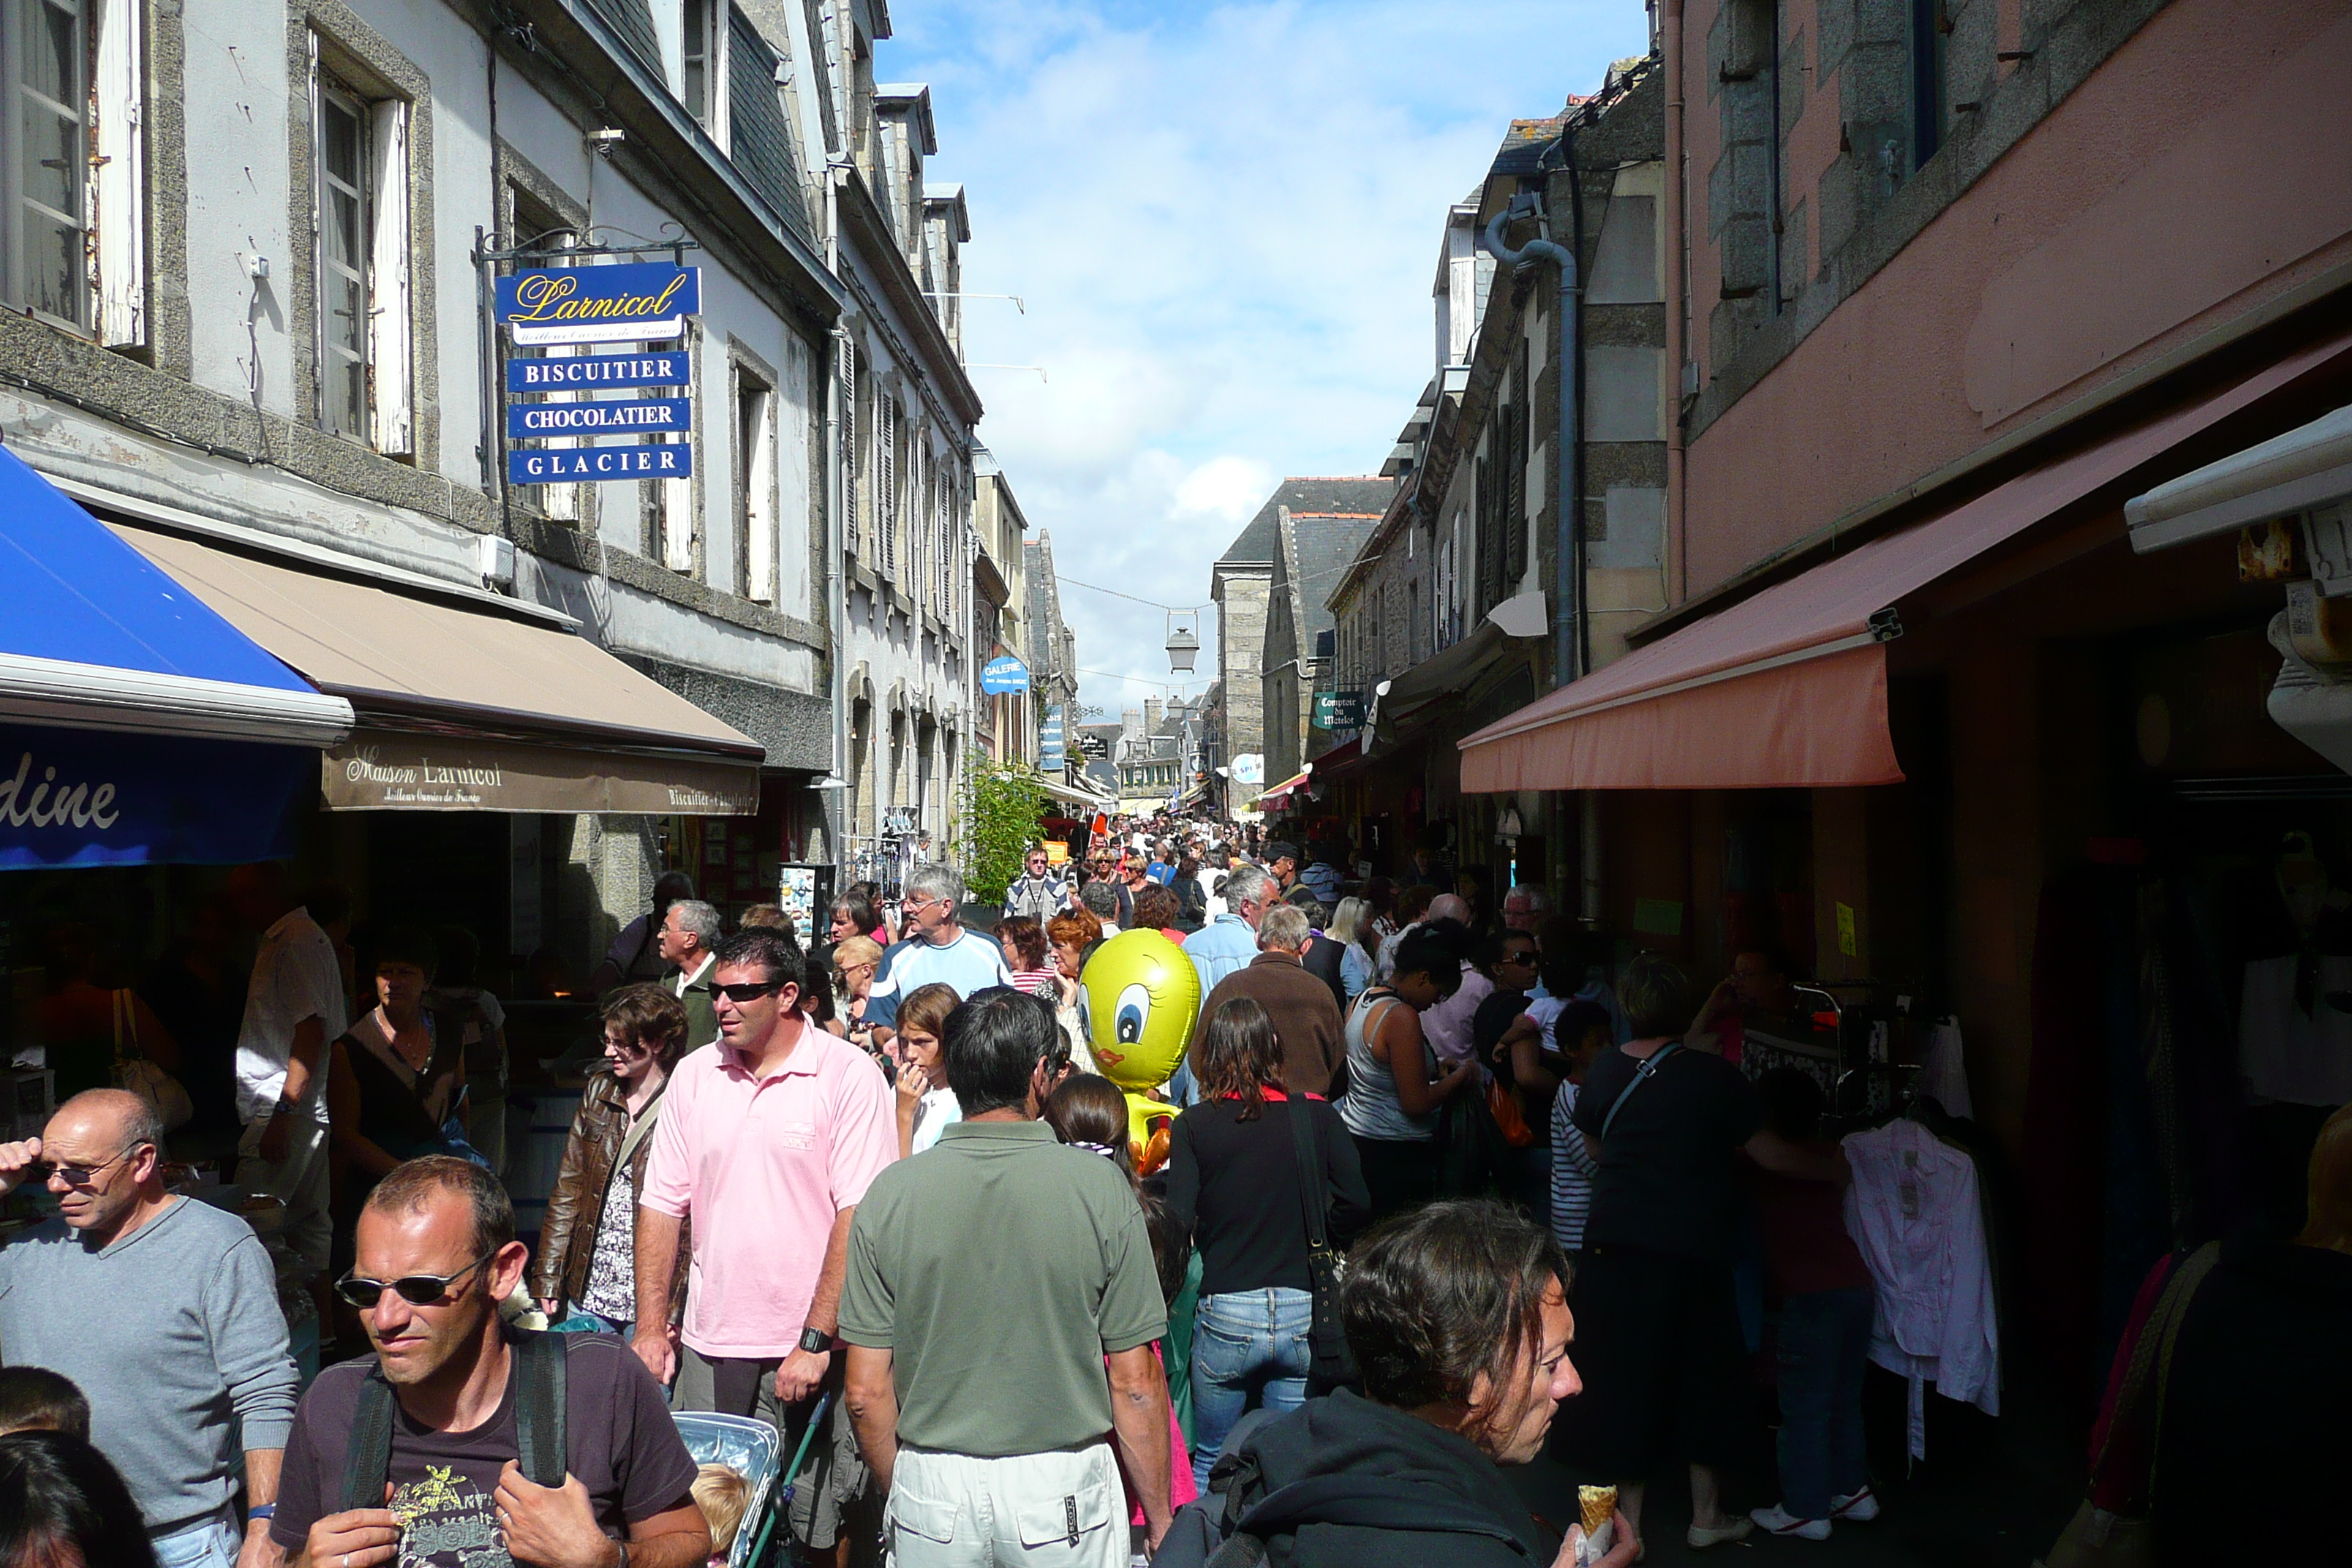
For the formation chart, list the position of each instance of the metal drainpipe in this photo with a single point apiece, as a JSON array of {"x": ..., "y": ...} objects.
[
  {"x": 1568, "y": 587},
  {"x": 836, "y": 803}
]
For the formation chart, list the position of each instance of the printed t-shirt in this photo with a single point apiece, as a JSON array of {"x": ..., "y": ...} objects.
[
  {"x": 970, "y": 962},
  {"x": 624, "y": 1447}
]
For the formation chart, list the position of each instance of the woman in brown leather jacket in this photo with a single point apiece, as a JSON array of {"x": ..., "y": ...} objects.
[{"x": 587, "y": 1252}]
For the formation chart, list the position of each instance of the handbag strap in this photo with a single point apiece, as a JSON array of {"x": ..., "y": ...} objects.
[
  {"x": 1641, "y": 1075},
  {"x": 639, "y": 1129},
  {"x": 1310, "y": 1170}
]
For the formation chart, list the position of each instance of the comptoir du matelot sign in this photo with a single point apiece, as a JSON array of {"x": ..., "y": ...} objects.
[{"x": 565, "y": 395}]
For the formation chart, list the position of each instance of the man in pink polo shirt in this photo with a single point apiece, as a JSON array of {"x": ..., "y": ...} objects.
[{"x": 768, "y": 1137}]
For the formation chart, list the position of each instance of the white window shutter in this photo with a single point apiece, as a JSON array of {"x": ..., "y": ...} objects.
[
  {"x": 119, "y": 182},
  {"x": 887, "y": 486},
  {"x": 677, "y": 523},
  {"x": 792, "y": 432},
  {"x": 760, "y": 492},
  {"x": 388, "y": 280}
]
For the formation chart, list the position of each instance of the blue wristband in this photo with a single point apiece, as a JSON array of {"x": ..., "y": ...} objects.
[{"x": 261, "y": 1510}]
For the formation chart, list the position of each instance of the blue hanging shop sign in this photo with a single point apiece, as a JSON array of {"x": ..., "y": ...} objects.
[
  {"x": 598, "y": 372},
  {"x": 576, "y": 465},
  {"x": 639, "y": 301}
]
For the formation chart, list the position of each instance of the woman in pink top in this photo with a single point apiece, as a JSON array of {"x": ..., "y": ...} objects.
[{"x": 1090, "y": 1113}]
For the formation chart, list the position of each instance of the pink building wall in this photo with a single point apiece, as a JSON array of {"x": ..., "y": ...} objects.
[{"x": 2204, "y": 169}]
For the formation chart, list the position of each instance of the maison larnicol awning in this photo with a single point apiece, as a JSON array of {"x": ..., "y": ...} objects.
[
  {"x": 1787, "y": 689},
  {"x": 467, "y": 709},
  {"x": 137, "y": 727}
]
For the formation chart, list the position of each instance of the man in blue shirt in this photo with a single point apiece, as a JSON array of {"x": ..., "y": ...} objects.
[
  {"x": 1229, "y": 943},
  {"x": 937, "y": 949}
]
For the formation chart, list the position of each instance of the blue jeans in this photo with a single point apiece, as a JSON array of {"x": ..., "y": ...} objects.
[
  {"x": 210, "y": 1544},
  {"x": 1245, "y": 1343},
  {"x": 1825, "y": 1341}
]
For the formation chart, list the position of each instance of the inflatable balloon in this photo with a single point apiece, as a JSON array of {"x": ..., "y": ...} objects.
[{"x": 1143, "y": 997}]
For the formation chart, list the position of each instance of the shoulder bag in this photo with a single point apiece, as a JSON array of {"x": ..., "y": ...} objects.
[
  {"x": 166, "y": 1096},
  {"x": 1329, "y": 1358}
]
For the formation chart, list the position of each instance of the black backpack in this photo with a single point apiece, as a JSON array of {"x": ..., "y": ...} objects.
[
  {"x": 1232, "y": 1524},
  {"x": 539, "y": 1423}
]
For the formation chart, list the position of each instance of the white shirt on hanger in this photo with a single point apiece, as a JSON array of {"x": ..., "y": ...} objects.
[{"x": 1915, "y": 1212}]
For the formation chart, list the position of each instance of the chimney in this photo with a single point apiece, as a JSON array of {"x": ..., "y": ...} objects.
[
  {"x": 1130, "y": 722},
  {"x": 1153, "y": 711}
]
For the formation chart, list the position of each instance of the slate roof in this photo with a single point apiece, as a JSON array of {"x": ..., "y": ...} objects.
[
  {"x": 634, "y": 20},
  {"x": 763, "y": 137},
  {"x": 1258, "y": 541},
  {"x": 1322, "y": 547}
]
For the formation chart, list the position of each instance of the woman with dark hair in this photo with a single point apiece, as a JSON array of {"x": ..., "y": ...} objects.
[
  {"x": 1157, "y": 909},
  {"x": 1190, "y": 890},
  {"x": 1657, "y": 1326},
  {"x": 854, "y": 914},
  {"x": 1023, "y": 941},
  {"x": 395, "y": 1080},
  {"x": 1412, "y": 904},
  {"x": 1458, "y": 1318},
  {"x": 62, "y": 1505},
  {"x": 587, "y": 1243},
  {"x": 1234, "y": 1184},
  {"x": 1394, "y": 1088},
  {"x": 1090, "y": 1112},
  {"x": 927, "y": 1106}
]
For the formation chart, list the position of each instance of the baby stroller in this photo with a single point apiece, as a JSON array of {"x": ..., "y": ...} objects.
[{"x": 752, "y": 1448}]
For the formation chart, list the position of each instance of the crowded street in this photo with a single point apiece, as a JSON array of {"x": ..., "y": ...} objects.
[{"x": 1310, "y": 783}]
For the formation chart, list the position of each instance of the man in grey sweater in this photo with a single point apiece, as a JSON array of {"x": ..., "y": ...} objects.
[{"x": 164, "y": 1311}]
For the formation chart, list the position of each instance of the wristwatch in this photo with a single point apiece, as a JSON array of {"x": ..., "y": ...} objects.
[{"x": 817, "y": 1341}]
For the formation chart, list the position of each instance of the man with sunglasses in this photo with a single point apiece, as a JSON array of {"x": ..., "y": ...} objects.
[
  {"x": 435, "y": 1255},
  {"x": 164, "y": 1313},
  {"x": 768, "y": 1138}
]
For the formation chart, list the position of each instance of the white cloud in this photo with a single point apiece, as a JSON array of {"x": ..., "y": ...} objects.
[{"x": 1223, "y": 220}]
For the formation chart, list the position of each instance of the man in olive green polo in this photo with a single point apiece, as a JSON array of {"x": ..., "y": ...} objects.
[
  {"x": 983, "y": 1430},
  {"x": 690, "y": 931}
]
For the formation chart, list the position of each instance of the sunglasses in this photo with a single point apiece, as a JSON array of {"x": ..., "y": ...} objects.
[
  {"x": 417, "y": 1290},
  {"x": 78, "y": 1176},
  {"x": 750, "y": 991}
]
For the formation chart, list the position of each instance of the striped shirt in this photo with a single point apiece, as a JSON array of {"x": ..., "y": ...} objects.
[{"x": 1572, "y": 1167}]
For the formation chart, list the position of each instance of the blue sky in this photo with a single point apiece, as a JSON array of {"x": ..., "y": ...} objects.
[{"x": 1224, "y": 222}]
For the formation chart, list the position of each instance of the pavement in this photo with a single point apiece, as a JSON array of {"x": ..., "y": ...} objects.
[{"x": 1992, "y": 1493}]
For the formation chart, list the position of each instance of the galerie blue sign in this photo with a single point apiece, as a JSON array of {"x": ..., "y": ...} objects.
[
  {"x": 577, "y": 465},
  {"x": 1000, "y": 677},
  {"x": 634, "y": 301},
  {"x": 587, "y": 372},
  {"x": 619, "y": 417}
]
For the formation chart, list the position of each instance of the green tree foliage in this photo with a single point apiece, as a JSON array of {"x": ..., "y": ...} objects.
[{"x": 1001, "y": 823}]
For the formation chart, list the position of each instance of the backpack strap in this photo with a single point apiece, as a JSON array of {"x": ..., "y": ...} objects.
[
  {"x": 539, "y": 1423},
  {"x": 539, "y": 1439},
  {"x": 368, "y": 1463}
]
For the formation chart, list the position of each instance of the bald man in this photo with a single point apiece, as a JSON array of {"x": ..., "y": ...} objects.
[{"x": 164, "y": 1313}]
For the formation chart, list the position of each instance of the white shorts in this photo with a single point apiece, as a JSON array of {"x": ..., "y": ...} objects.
[{"x": 1067, "y": 1508}]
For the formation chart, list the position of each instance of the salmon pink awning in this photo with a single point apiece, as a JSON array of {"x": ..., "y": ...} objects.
[{"x": 1787, "y": 689}]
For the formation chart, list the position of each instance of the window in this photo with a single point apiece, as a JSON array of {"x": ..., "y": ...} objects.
[
  {"x": 886, "y": 488},
  {"x": 359, "y": 265},
  {"x": 72, "y": 239},
  {"x": 532, "y": 223},
  {"x": 697, "y": 51},
  {"x": 755, "y": 464}
]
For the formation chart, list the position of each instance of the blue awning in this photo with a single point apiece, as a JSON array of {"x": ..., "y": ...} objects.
[{"x": 136, "y": 725}]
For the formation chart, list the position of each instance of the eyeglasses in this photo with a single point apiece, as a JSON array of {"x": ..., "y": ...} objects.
[
  {"x": 417, "y": 1290},
  {"x": 750, "y": 991},
  {"x": 79, "y": 1176}
]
